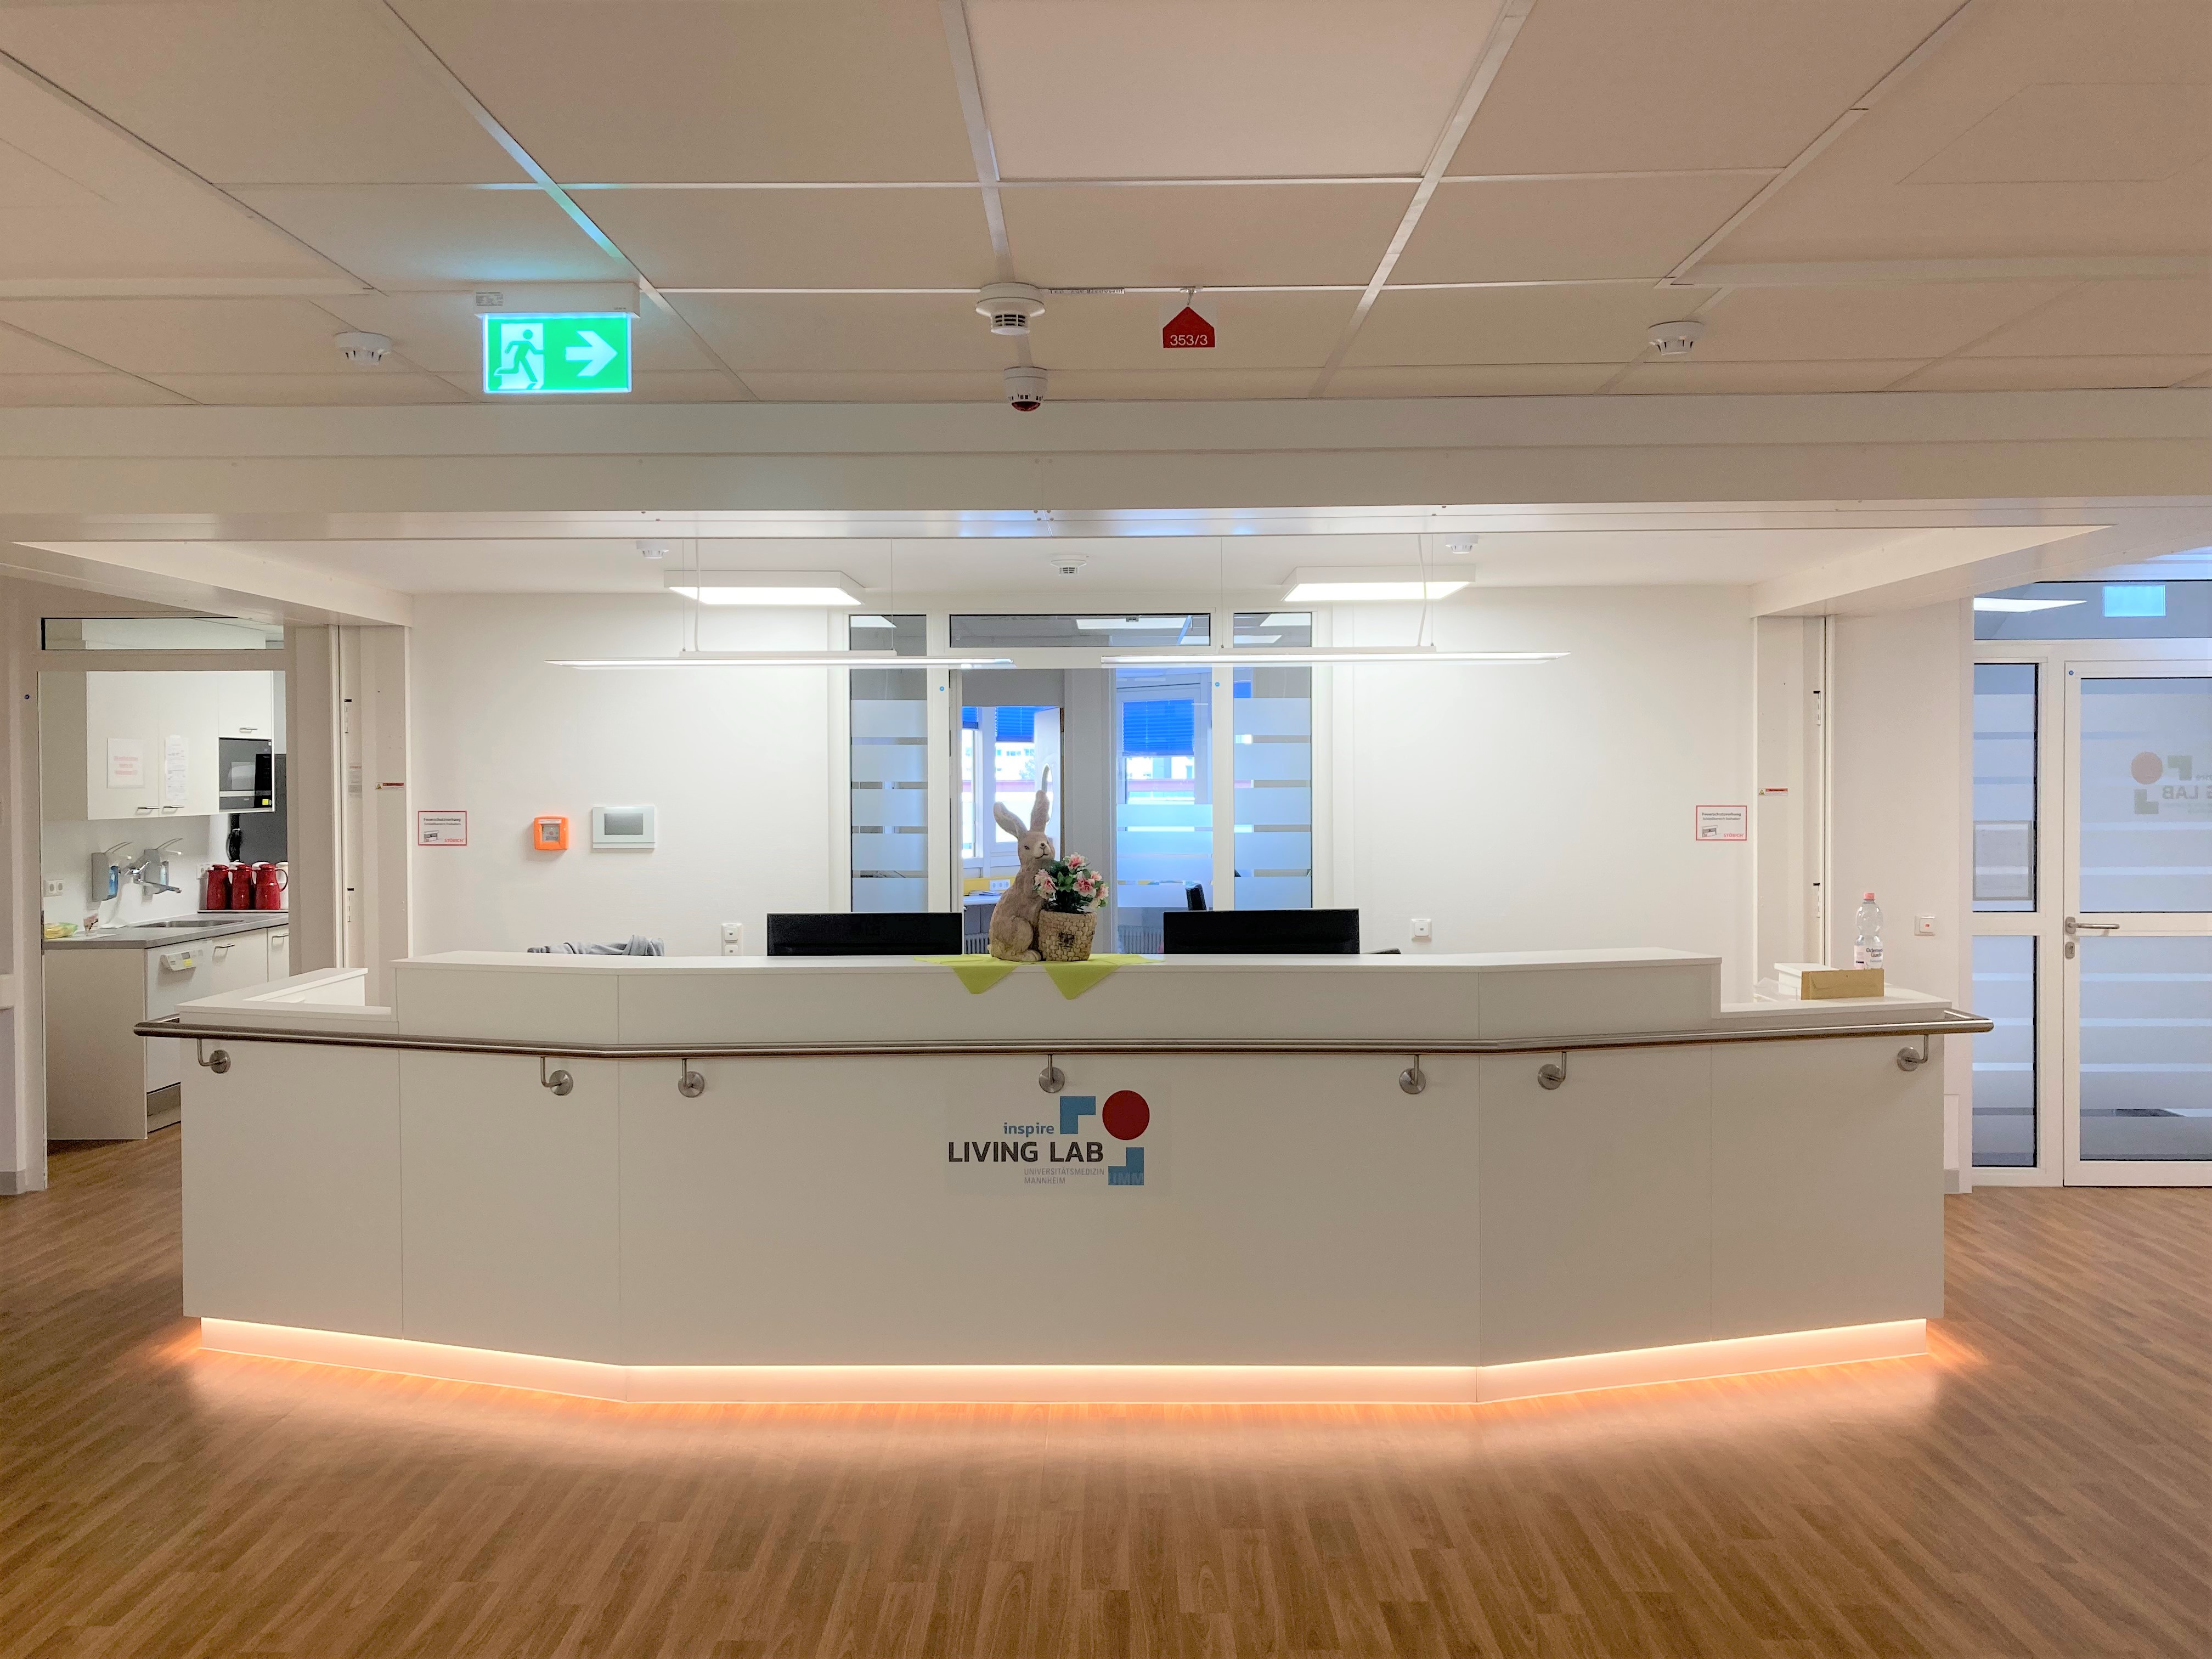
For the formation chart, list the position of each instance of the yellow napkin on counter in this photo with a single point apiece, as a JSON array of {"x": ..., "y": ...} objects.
[{"x": 979, "y": 973}]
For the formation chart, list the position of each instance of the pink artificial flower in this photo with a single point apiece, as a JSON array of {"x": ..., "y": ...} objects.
[
  {"x": 1076, "y": 860},
  {"x": 1045, "y": 884}
]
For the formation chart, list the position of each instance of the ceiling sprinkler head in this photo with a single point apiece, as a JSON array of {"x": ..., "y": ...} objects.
[
  {"x": 1675, "y": 339},
  {"x": 1009, "y": 305},
  {"x": 653, "y": 549},
  {"x": 364, "y": 350}
]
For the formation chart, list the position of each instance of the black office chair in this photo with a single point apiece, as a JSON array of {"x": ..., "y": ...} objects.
[
  {"x": 1259, "y": 932},
  {"x": 866, "y": 933}
]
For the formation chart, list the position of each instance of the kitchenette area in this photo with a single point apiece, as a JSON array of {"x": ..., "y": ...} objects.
[{"x": 163, "y": 868}]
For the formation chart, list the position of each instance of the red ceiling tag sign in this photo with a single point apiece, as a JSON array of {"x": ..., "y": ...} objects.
[{"x": 1186, "y": 330}]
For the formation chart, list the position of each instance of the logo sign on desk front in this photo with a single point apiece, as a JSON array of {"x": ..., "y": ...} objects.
[
  {"x": 550, "y": 353},
  {"x": 1076, "y": 1144}
]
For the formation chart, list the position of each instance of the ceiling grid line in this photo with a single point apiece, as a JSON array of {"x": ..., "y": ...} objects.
[
  {"x": 1504, "y": 29},
  {"x": 441, "y": 72},
  {"x": 99, "y": 364},
  {"x": 1899, "y": 72},
  {"x": 1963, "y": 347}
]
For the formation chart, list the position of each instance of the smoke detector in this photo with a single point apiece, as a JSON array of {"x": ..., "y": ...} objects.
[
  {"x": 363, "y": 348},
  {"x": 1069, "y": 564},
  {"x": 1459, "y": 546},
  {"x": 653, "y": 549},
  {"x": 1675, "y": 339},
  {"x": 1009, "y": 306}
]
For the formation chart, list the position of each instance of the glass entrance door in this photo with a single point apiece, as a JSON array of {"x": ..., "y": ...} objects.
[{"x": 2136, "y": 932}]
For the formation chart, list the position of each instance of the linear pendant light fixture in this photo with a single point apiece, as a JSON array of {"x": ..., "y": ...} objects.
[
  {"x": 783, "y": 660},
  {"x": 1320, "y": 656}
]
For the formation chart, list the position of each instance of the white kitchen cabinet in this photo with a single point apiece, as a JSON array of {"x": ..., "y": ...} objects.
[
  {"x": 245, "y": 704},
  {"x": 103, "y": 1083},
  {"x": 280, "y": 952},
  {"x": 104, "y": 745}
]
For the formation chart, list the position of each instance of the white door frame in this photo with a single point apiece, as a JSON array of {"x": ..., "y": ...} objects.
[
  {"x": 2106, "y": 1172},
  {"x": 2056, "y": 887}
]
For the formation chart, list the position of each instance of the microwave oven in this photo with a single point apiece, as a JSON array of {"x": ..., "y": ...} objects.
[{"x": 246, "y": 774}]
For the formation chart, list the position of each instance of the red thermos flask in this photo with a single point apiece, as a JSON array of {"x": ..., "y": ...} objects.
[
  {"x": 269, "y": 881},
  {"x": 214, "y": 888},
  {"x": 241, "y": 887}
]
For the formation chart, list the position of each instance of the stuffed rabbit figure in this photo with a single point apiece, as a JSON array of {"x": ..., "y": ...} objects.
[{"x": 1014, "y": 918}]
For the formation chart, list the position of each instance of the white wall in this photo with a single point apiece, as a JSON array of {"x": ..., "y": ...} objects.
[
  {"x": 739, "y": 764},
  {"x": 1550, "y": 806},
  {"x": 1901, "y": 723}
]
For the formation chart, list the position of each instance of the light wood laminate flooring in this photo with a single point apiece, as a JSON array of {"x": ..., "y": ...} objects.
[{"x": 2041, "y": 1486}]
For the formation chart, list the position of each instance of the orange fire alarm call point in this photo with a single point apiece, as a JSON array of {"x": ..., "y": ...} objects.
[{"x": 549, "y": 834}]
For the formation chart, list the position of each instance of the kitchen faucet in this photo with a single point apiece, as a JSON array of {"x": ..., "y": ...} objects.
[{"x": 144, "y": 866}]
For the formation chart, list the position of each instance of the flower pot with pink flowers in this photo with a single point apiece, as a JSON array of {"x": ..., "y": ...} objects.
[{"x": 1071, "y": 892}]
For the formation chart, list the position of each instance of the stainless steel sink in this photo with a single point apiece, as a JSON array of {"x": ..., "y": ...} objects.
[{"x": 173, "y": 922}]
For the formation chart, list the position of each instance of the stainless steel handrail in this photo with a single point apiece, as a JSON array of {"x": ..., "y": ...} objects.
[{"x": 1951, "y": 1023}]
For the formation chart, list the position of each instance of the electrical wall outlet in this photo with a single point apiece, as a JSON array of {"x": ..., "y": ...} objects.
[
  {"x": 733, "y": 939},
  {"x": 1424, "y": 930},
  {"x": 1924, "y": 928},
  {"x": 53, "y": 889}
]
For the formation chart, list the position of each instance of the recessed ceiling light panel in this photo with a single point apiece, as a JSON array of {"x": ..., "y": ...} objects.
[{"x": 832, "y": 588}]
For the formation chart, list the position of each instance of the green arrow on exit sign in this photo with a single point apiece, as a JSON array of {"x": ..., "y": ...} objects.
[{"x": 541, "y": 352}]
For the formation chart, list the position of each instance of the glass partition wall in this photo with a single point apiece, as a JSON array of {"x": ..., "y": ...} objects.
[{"x": 1137, "y": 753}]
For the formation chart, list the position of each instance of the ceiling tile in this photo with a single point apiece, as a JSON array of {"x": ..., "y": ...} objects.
[
  {"x": 1221, "y": 89},
  {"x": 1201, "y": 235},
  {"x": 800, "y": 238},
  {"x": 2051, "y": 134},
  {"x": 79, "y": 391},
  {"x": 853, "y": 333},
  {"x": 318, "y": 390},
  {"x": 443, "y": 332},
  {"x": 1871, "y": 375},
  {"x": 1473, "y": 381},
  {"x": 1553, "y": 229},
  {"x": 837, "y": 90},
  {"x": 1600, "y": 86},
  {"x": 773, "y": 386},
  {"x": 90, "y": 202},
  {"x": 189, "y": 336},
  {"x": 291, "y": 91},
  {"x": 1802, "y": 325},
  {"x": 1596, "y": 324},
  {"x": 405, "y": 234},
  {"x": 1121, "y": 332},
  {"x": 1879, "y": 192},
  {"x": 1177, "y": 384},
  {"x": 2055, "y": 374},
  {"x": 2113, "y": 320}
]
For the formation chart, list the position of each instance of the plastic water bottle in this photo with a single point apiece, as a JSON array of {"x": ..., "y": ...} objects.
[{"x": 1866, "y": 949}]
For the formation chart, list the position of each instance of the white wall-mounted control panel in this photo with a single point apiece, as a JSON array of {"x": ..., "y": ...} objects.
[{"x": 623, "y": 826}]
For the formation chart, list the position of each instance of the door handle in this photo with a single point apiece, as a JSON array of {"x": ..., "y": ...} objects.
[{"x": 2075, "y": 927}]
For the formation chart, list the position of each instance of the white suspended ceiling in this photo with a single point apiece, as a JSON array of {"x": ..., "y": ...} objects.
[{"x": 2004, "y": 195}]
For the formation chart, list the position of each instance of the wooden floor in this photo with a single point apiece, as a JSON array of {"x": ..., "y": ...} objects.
[{"x": 2040, "y": 1487}]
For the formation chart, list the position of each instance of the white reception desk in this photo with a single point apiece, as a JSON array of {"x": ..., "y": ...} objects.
[{"x": 1288, "y": 1178}]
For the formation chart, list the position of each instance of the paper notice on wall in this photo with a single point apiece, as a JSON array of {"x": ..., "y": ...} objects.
[
  {"x": 441, "y": 828},
  {"x": 176, "y": 771},
  {"x": 1724, "y": 824},
  {"x": 127, "y": 763}
]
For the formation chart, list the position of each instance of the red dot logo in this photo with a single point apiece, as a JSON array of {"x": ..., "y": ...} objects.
[
  {"x": 1126, "y": 1115},
  {"x": 2146, "y": 767}
]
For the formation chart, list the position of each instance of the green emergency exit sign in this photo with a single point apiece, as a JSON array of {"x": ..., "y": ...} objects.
[{"x": 548, "y": 352}]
